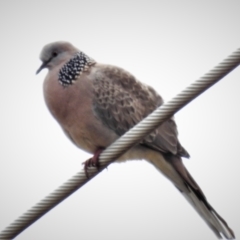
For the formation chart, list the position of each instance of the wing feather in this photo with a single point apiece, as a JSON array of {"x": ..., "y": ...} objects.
[{"x": 121, "y": 102}]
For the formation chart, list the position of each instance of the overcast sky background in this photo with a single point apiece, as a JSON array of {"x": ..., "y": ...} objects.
[{"x": 166, "y": 44}]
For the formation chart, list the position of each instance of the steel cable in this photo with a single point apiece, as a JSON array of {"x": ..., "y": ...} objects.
[{"x": 125, "y": 142}]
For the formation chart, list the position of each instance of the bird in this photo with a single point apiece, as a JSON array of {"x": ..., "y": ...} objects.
[{"x": 96, "y": 103}]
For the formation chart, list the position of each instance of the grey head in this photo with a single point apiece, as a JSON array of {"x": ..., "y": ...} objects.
[
  {"x": 55, "y": 53},
  {"x": 76, "y": 62}
]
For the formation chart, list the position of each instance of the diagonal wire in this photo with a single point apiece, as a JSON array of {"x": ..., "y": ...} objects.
[{"x": 124, "y": 143}]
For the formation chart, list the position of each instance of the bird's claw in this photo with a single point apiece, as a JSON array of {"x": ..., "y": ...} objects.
[{"x": 92, "y": 162}]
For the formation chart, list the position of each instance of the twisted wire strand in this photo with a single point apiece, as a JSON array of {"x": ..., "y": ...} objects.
[{"x": 124, "y": 143}]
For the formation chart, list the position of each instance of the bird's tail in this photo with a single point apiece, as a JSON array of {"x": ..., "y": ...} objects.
[
  {"x": 173, "y": 168},
  {"x": 210, "y": 216}
]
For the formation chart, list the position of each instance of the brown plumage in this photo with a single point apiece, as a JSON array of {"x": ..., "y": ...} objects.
[{"x": 95, "y": 104}]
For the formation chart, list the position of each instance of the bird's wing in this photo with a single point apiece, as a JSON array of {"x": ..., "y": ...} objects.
[{"x": 120, "y": 102}]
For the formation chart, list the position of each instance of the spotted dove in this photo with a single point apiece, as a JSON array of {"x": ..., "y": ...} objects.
[{"x": 95, "y": 104}]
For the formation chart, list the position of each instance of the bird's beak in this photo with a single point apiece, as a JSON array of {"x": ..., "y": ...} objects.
[{"x": 44, "y": 64}]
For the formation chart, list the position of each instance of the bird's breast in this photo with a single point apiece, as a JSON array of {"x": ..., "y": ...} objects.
[{"x": 72, "y": 107}]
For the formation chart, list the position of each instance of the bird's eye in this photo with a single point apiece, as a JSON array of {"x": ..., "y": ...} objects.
[{"x": 54, "y": 54}]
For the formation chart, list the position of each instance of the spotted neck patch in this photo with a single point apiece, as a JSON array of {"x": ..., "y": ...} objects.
[{"x": 70, "y": 71}]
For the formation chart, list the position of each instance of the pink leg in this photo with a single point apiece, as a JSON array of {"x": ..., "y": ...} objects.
[{"x": 93, "y": 161}]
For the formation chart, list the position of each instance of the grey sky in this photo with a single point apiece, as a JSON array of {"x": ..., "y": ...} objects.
[{"x": 166, "y": 44}]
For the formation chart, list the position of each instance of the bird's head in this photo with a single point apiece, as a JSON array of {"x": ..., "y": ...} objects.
[{"x": 55, "y": 53}]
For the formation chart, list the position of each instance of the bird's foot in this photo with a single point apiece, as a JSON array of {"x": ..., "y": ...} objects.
[{"x": 93, "y": 161}]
